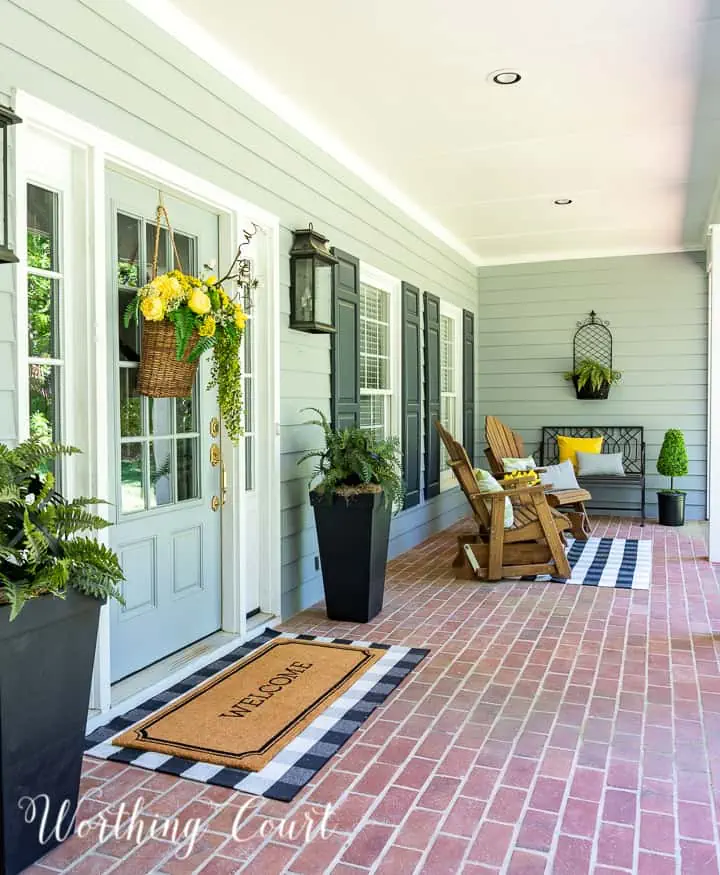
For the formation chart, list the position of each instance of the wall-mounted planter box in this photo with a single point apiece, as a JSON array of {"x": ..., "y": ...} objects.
[{"x": 587, "y": 393}]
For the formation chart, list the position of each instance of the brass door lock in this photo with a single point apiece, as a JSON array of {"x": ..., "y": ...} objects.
[{"x": 215, "y": 456}]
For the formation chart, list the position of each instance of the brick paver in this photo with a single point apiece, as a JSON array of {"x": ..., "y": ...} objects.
[{"x": 553, "y": 728}]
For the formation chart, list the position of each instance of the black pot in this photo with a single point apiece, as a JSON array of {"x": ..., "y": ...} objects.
[
  {"x": 46, "y": 663},
  {"x": 671, "y": 508},
  {"x": 353, "y": 535},
  {"x": 587, "y": 393}
]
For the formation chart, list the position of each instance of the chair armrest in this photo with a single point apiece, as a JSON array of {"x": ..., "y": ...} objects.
[{"x": 511, "y": 493}]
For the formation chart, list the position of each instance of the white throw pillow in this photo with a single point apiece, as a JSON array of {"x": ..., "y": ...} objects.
[
  {"x": 600, "y": 464},
  {"x": 518, "y": 464},
  {"x": 487, "y": 483},
  {"x": 560, "y": 477}
]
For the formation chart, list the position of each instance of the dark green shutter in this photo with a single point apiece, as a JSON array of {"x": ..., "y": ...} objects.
[
  {"x": 468, "y": 350},
  {"x": 432, "y": 395},
  {"x": 345, "y": 342},
  {"x": 411, "y": 393}
]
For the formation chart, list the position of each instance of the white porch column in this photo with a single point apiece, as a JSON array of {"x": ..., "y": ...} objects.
[{"x": 714, "y": 393}]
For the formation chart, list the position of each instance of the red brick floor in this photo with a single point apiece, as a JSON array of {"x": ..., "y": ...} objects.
[{"x": 553, "y": 729}]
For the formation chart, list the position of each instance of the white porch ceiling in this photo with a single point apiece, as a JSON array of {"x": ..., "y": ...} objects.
[{"x": 605, "y": 113}]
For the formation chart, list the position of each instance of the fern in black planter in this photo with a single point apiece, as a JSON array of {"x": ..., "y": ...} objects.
[
  {"x": 593, "y": 380},
  {"x": 54, "y": 579},
  {"x": 355, "y": 485},
  {"x": 353, "y": 462},
  {"x": 42, "y": 551}
]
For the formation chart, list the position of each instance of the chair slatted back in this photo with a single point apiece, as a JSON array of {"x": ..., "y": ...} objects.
[
  {"x": 503, "y": 443},
  {"x": 465, "y": 475}
]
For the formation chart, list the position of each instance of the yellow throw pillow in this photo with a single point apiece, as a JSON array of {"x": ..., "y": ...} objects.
[{"x": 568, "y": 446}]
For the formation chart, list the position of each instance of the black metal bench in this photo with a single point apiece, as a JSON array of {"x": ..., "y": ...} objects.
[{"x": 626, "y": 439}]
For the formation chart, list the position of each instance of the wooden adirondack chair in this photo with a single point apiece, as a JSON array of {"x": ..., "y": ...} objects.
[
  {"x": 534, "y": 544},
  {"x": 503, "y": 443}
]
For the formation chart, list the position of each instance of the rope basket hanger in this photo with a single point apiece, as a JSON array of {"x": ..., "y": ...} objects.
[{"x": 161, "y": 374}]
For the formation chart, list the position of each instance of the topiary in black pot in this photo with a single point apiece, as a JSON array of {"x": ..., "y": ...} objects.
[
  {"x": 53, "y": 582},
  {"x": 355, "y": 484},
  {"x": 672, "y": 462}
]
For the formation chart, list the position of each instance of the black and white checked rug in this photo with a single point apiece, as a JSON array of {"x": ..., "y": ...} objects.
[
  {"x": 622, "y": 563},
  {"x": 301, "y": 758}
]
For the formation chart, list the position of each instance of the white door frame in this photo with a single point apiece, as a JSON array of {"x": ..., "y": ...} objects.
[
  {"x": 103, "y": 151},
  {"x": 713, "y": 447}
]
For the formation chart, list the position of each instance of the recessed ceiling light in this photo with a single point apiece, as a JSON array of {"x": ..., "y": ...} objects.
[
  {"x": 504, "y": 77},
  {"x": 563, "y": 201}
]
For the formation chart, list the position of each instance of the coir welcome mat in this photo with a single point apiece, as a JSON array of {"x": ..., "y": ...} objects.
[
  {"x": 300, "y": 757},
  {"x": 244, "y": 715}
]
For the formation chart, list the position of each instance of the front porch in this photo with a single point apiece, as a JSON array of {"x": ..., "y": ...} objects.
[{"x": 553, "y": 728}]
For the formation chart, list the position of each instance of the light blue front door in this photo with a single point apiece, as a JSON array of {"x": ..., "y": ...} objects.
[{"x": 167, "y": 533}]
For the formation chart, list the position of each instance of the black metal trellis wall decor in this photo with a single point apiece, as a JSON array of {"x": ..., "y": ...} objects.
[{"x": 593, "y": 341}]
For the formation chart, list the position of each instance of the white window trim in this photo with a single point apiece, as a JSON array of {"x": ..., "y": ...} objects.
[
  {"x": 372, "y": 276},
  {"x": 95, "y": 152},
  {"x": 447, "y": 478},
  {"x": 51, "y": 163}
]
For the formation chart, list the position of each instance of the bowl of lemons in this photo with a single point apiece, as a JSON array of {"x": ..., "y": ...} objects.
[{"x": 521, "y": 478}]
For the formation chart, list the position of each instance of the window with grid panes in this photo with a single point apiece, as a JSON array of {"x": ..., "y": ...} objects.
[
  {"x": 448, "y": 381},
  {"x": 375, "y": 382},
  {"x": 44, "y": 298}
]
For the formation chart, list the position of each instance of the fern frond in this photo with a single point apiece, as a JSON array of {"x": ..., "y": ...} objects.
[
  {"x": 31, "y": 454},
  {"x": 35, "y": 543},
  {"x": 67, "y": 520},
  {"x": 132, "y": 311},
  {"x": 201, "y": 347}
]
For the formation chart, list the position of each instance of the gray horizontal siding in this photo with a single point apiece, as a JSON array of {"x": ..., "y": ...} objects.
[
  {"x": 108, "y": 65},
  {"x": 657, "y": 307}
]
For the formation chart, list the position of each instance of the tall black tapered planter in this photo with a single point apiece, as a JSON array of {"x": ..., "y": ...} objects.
[
  {"x": 46, "y": 663},
  {"x": 353, "y": 537},
  {"x": 671, "y": 508}
]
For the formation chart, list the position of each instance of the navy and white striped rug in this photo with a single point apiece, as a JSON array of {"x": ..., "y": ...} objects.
[
  {"x": 303, "y": 756},
  {"x": 623, "y": 563}
]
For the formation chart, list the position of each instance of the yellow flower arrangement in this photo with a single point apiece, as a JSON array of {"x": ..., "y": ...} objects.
[
  {"x": 199, "y": 302},
  {"x": 240, "y": 317},
  {"x": 205, "y": 318},
  {"x": 207, "y": 329},
  {"x": 152, "y": 309}
]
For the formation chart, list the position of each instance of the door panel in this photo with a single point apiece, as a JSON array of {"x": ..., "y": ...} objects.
[{"x": 166, "y": 534}]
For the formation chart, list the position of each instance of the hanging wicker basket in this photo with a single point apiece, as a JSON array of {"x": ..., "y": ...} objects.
[{"x": 161, "y": 375}]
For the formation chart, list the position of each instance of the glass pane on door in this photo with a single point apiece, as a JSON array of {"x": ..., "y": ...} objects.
[
  {"x": 160, "y": 463},
  {"x": 131, "y": 477}
]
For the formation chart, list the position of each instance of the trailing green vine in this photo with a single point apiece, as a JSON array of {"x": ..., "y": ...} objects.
[{"x": 226, "y": 375}]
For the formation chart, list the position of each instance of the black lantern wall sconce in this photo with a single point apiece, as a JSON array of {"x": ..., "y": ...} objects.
[
  {"x": 7, "y": 119},
  {"x": 311, "y": 269}
]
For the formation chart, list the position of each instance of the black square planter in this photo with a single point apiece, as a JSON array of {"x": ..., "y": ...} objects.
[
  {"x": 46, "y": 663},
  {"x": 353, "y": 535}
]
